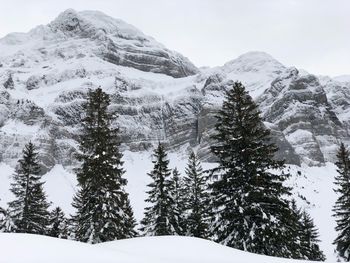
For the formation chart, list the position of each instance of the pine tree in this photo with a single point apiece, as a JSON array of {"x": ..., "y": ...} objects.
[
  {"x": 2, "y": 211},
  {"x": 294, "y": 225},
  {"x": 304, "y": 235},
  {"x": 7, "y": 223},
  {"x": 2, "y": 219},
  {"x": 130, "y": 221},
  {"x": 159, "y": 218},
  {"x": 177, "y": 192},
  {"x": 309, "y": 239},
  {"x": 103, "y": 208},
  {"x": 197, "y": 198},
  {"x": 57, "y": 224},
  {"x": 29, "y": 211},
  {"x": 249, "y": 204},
  {"x": 342, "y": 205}
]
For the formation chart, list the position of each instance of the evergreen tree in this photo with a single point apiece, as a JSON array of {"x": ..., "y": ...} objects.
[
  {"x": 7, "y": 223},
  {"x": 103, "y": 208},
  {"x": 130, "y": 221},
  {"x": 29, "y": 211},
  {"x": 248, "y": 200},
  {"x": 304, "y": 235},
  {"x": 160, "y": 218},
  {"x": 294, "y": 225},
  {"x": 309, "y": 239},
  {"x": 2, "y": 219},
  {"x": 2, "y": 211},
  {"x": 197, "y": 198},
  {"x": 177, "y": 192},
  {"x": 57, "y": 224},
  {"x": 342, "y": 205}
]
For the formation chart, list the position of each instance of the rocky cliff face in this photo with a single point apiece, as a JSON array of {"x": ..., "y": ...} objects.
[
  {"x": 158, "y": 94},
  {"x": 299, "y": 106}
]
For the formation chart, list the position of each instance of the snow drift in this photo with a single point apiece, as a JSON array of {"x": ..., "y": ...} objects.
[{"x": 19, "y": 248}]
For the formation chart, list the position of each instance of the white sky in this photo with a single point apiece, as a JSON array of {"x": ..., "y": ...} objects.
[{"x": 310, "y": 34}]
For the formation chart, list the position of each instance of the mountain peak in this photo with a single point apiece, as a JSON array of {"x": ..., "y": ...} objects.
[
  {"x": 68, "y": 20},
  {"x": 253, "y": 61},
  {"x": 256, "y": 55},
  {"x": 94, "y": 24},
  {"x": 100, "y": 36}
]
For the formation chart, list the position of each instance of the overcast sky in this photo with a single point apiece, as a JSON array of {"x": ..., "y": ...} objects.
[{"x": 310, "y": 34}]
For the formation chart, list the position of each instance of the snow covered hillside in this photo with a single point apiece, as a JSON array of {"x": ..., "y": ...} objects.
[{"x": 169, "y": 249}]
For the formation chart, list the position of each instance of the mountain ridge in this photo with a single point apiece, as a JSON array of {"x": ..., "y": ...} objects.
[{"x": 158, "y": 94}]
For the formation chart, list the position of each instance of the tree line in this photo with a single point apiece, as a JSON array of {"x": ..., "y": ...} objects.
[{"x": 242, "y": 202}]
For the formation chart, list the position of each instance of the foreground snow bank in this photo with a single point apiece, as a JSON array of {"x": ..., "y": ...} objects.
[
  {"x": 20, "y": 248},
  {"x": 27, "y": 248}
]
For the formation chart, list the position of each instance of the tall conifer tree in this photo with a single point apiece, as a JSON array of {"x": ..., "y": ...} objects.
[
  {"x": 28, "y": 212},
  {"x": 304, "y": 235},
  {"x": 177, "y": 192},
  {"x": 342, "y": 205},
  {"x": 58, "y": 224},
  {"x": 197, "y": 198},
  {"x": 103, "y": 208},
  {"x": 2, "y": 219},
  {"x": 249, "y": 201},
  {"x": 309, "y": 239},
  {"x": 160, "y": 219}
]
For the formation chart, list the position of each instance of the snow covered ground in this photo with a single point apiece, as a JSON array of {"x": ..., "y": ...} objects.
[
  {"x": 313, "y": 190},
  {"x": 166, "y": 249}
]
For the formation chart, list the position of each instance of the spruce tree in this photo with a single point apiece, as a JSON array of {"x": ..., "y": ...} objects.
[
  {"x": 294, "y": 225},
  {"x": 2, "y": 219},
  {"x": 342, "y": 204},
  {"x": 177, "y": 192},
  {"x": 159, "y": 218},
  {"x": 197, "y": 198},
  {"x": 29, "y": 211},
  {"x": 248, "y": 199},
  {"x": 103, "y": 208},
  {"x": 57, "y": 224},
  {"x": 2, "y": 211},
  {"x": 304, "y": 235},
  {"x": 309, "y": 239},
  {"x": 130, "y": 221}
]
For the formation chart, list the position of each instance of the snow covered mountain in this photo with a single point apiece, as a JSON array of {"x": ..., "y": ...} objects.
[
  {"x": 92, "y": 34},
  {"x": 159, "y": 94}
]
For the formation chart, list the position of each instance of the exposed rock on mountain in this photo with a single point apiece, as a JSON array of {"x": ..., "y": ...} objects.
[
  {"x": 158, "y": 94},
  {"x": 298, "y": 105}
]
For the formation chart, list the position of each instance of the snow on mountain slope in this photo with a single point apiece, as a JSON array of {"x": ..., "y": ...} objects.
[
  {"x": 91, "y": 34},
  {"x": 338, "y": 94},
  {"x": 169, "y": 249},
  {"x": 255, "y": 69},
  {"x": 313, "y": 191}
]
